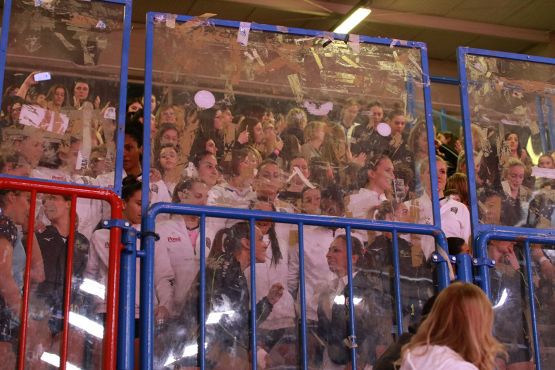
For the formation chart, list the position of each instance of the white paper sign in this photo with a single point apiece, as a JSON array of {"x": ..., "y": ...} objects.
[
  {"x": 35, "y": 116},
  {"x": 243, "y": 34}
]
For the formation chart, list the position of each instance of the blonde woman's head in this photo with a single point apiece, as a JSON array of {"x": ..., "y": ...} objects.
[{"x": 461, "y": 319}]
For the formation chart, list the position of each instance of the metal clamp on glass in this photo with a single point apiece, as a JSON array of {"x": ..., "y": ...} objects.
[
  {"x": 144, "y": 234},
  {"x": 128, "y": 234},
  {"x": 438, "y": 258},
  {"x": 463, "y": 265},
  {"x": 149, "y": 233},
  {"x": 483, "y": 262}
]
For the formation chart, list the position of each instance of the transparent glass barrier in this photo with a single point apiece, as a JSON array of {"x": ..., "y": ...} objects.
[
  {"x": 510, "y": 292},
  {"x": 61, "y": 90},
  {"x": 278, "y": 312},
  {"x": 511, "y": 106},
  {"x": 14, "y": 226},
  {"x": 177, "y": 282},
  {"x": 51, "y": 234},
  {"x": 314, "y": 126},
  {"x": 545, "y": 300}
]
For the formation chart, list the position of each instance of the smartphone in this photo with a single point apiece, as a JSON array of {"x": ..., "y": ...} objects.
[{"x": 43, "y": 76}]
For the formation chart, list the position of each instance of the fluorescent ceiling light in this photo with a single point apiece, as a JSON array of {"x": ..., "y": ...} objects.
[{"x": 353, "y": 20}]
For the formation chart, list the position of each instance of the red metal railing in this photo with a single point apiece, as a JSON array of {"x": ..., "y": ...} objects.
[{"x": 112, "y": 296}]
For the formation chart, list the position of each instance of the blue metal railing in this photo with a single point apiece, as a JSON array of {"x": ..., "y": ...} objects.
[
  {"x": 148, "y": 237},
  {"x": 149, "y": 49},
  {"x": 146, "y": 324},
  {"x": 484, "y": 277},
  {"x": 477, "y": 227},
  {"x": 486, "y": 232}
]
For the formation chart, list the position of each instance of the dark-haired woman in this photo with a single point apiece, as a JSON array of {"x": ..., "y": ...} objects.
[
  {"x": 180, "y": 236},
  {"x": 211, "y": 127},
  {"x": 280, "y": 323},
  {"x": 237, "y": 191},
  {"x": 379, "y": 180},
  {"x": 227, "y": 303},
  {"x": 398, "y": 147},
  {"x": 251, "y": 135}
]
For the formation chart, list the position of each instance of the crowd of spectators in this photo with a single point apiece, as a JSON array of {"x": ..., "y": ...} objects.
[{"x": 365, "y": 160}]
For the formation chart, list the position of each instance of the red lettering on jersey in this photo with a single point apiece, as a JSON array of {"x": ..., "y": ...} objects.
[{"x": 172, "y": 239}]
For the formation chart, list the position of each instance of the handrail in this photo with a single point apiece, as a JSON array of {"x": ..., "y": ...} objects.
[
  {"x": 148, "y": 237},
  {"x": 525, "y": 238},
  {"x": 110, "y": 333}
]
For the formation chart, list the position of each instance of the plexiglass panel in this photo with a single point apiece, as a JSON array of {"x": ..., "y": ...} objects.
[
  {"x": 510, "y": 298},
  {"x": 513, "y": 136},
  {"x": 543, "y": 257},
  {"x": 61, "y": 90},
  {"x": 278, "y": 293},
  {"x": 315, "y": 126},
  {"x": 50, "y": 252}
]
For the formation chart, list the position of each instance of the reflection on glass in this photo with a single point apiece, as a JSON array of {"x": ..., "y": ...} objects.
[
  {"x": 545, "y": 299},
  {"x": 227, "y": 302},
  {"x": 509, "y": 293},
  {"x": 313, "y": 127},
  {"x": 511, "y": 106},
  {"x": 52, "y": 234},
  {"x": 287, "y": 123},
  {"x": 61, "y": 91},
  {"x": 14, "y": 227}
]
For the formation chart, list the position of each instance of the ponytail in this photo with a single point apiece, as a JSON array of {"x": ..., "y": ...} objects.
[{"x": 228, "y": 240}]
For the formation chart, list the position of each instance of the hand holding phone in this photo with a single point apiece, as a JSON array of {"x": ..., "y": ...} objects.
[{"x": 42, "y": 76}]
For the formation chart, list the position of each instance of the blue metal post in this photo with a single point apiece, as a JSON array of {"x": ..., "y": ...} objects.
[
  {"x": 532, "y": 303},
  {"x": 431, "y": 139},
  {"x": 541, "y": 122},
  {"x": 464, "y": 268},
  {"x": 252, "y": 239},
  {"x": 397, "y": 284},
  {"x": 147, "y": 111},
  {"x": 126, "y": 322},
  {"x": 147, "y": 237},
  {"x": 410, "y": 94},
  {"x": 302, "y": 296},
  {"x": 4, "y": 42},
  {"x": 550, "y": 123},
  {"x": 466, "y": 116},
  {"x": 146, "y": 310},
  {"x": 481, "y": 253},
  {"x": 443, "y": 276},
  {"x": 443, "y": 270},
  {"x": 202, "y": 293},
  {"x": 122, "y": 96},
  {"x": 352, "y": 323}
]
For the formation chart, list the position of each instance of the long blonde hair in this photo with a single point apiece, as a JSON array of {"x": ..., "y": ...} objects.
[{"x": 461, "y": 319}]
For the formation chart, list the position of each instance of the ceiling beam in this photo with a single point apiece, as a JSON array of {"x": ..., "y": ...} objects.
[{"x": 384, "y": 16}]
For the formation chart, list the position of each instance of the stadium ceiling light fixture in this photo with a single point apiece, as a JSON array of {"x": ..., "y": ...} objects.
[{"x": 354, "y": 17}]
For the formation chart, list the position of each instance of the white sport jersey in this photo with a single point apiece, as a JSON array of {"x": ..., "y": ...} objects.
[
  {"x": 184, "y": 257},
  {"x": 97, "y": 270}
]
